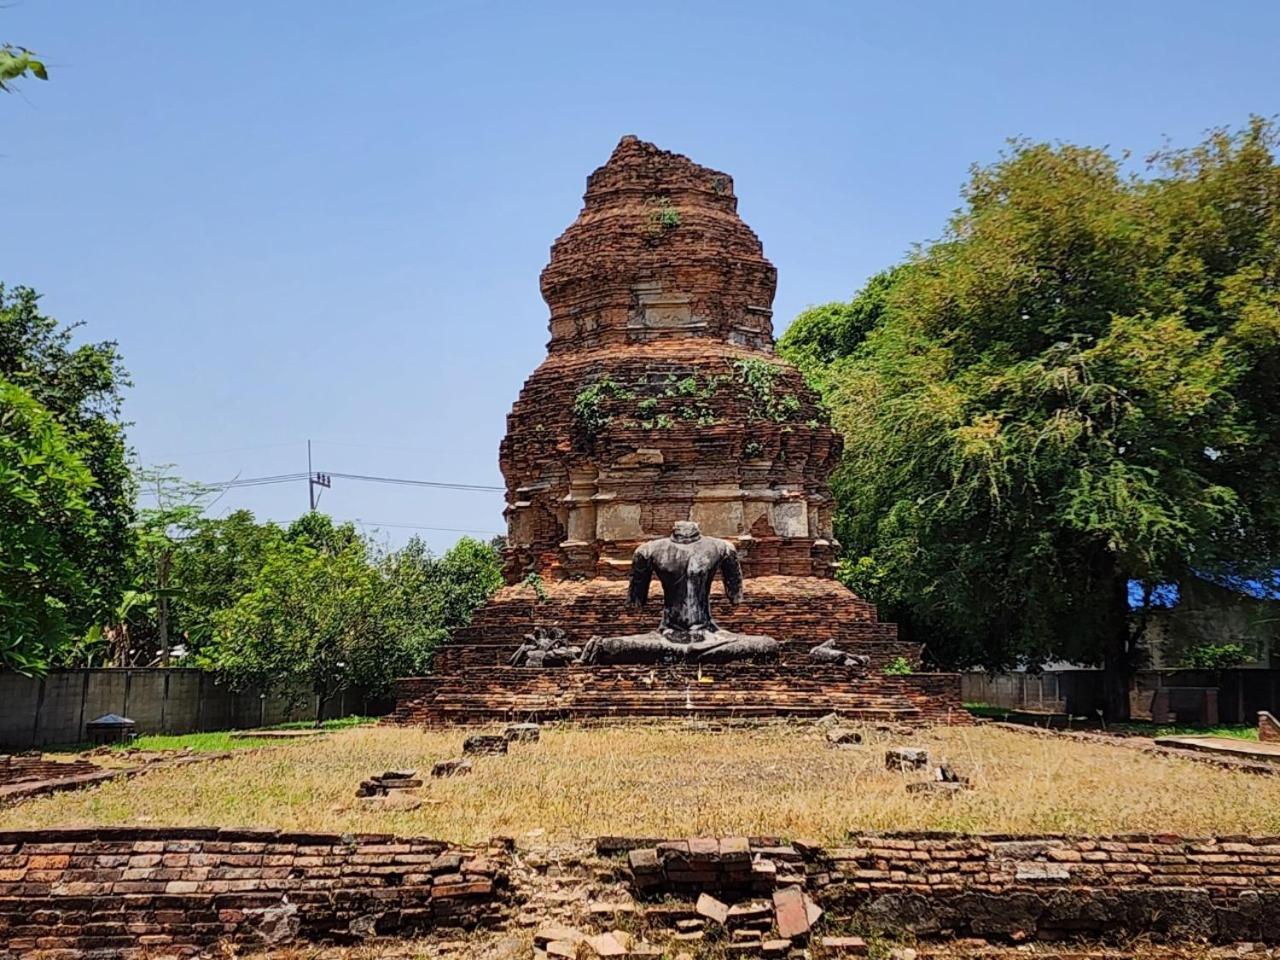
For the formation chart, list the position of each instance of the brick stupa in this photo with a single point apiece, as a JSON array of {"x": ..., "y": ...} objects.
[{"x": 661, "y": 399}]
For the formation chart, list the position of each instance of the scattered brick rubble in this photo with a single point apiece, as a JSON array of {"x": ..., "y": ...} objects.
[
  {"x": 482, "y": 743},
  {"x": 451, "y": 768},
  {"x": 906, "y": 758}
]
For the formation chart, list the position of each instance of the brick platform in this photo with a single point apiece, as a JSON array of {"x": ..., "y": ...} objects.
[{"x": 525, "y": 693}]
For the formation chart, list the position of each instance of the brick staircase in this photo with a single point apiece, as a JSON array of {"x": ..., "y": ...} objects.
[{"x": 525, "y": 693}]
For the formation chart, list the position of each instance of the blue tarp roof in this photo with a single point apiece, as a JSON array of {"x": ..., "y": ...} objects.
[{"x": 1167, "y": 594}]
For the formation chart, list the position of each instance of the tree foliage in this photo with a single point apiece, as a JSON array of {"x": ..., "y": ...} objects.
[
  {"x": 45, "y": 521},
  {"x": 1075, "y": 387},
  {"x": 326, "y": 611},
  {"x": 79, "y": 388}
]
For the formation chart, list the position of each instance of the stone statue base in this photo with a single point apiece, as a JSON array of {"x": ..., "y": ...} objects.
[{"x": 679, "y": 646}]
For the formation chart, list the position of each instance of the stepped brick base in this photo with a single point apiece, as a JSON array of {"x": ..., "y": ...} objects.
[
  {"x": 471, "y": 681},
  {"x": 800, "y": 612},
  {"x": 529, "y": 693}
]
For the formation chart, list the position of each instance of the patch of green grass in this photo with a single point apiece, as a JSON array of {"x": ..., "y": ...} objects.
[
  {"x": 1134, "y": 727},
  {"x": 215, "y": 741},
  {"x": 1186, "y": 730},
  {"x": 342, "y": 723}
]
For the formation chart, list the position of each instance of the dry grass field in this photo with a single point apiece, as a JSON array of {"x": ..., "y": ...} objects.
[{"x": 678, "y": 779}]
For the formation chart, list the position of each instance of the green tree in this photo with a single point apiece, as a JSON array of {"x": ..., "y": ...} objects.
[
  {"x": 45, "y": 533},
  {"x": 1073, "y": 389},
  {"x": 310, "y": 622},
  {"x": 468, "y": 574},
  {"x": 81, "y": 387},
  {"x": 821, "y": 335},
  {"x": 213, "y": 566},
  {"x": 172, "y": 517},
  {"x": 326, "y": 612}
]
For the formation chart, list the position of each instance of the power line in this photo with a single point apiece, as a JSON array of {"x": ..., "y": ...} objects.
[
  {"x": 369, "y": 478},
  {"x": 423, "y": 526},
  {"x": 419, "y": 483}
]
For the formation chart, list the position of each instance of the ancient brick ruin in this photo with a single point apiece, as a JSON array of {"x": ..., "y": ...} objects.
[
  {"x": 124, "y": 892},
  {"x": 661, "y": 400},
  {"x": 152, "y": 892}
]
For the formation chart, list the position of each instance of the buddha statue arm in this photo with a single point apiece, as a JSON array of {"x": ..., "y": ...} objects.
[
  {"x": 731, "y": 570},
  {"x": 641, "y": 574}
]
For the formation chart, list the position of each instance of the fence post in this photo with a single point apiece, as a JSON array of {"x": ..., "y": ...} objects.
[
  {"x": 35, "y": 726},
  {"x": 84, "y": 699}
]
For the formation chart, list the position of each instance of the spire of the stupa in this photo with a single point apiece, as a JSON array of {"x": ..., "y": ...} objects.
[{"x": 657, "y": 252}]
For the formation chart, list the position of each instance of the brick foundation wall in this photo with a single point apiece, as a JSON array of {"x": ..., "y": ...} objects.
[
  {"x": 120, "y": 891},
  {"x": 20, "y": 768},
  {"x": 1010, "y": 888},
  {"x": 734, "y": 690}
]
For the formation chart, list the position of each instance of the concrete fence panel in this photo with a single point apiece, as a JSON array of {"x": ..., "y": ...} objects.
[{"x": 37, "y": 712}]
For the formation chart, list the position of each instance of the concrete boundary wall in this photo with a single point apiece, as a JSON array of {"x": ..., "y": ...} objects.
[{"x": 37, "y": 712}]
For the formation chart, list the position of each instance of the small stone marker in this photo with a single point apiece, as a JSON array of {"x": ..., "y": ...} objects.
[
  {"x": 945, "y": 782},
  {"x": 775, "y": 948},
  {"x": 385, "y": 783},
  {"x": 523, "y": 732},
  {"x": 843, "y": 737},
  {"x": 485, "y": 743},
  {"x": 451, "y": 768},
  {"x": 906, "y": 758}
]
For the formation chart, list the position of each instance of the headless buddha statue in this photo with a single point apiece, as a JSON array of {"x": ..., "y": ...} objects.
[{"x": 685, "y": 564}]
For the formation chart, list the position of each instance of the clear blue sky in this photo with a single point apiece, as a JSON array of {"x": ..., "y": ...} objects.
[{"x": 326, "y": 219}]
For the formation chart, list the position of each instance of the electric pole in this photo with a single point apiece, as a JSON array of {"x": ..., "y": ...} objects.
[{"x": 314, "y": 480}]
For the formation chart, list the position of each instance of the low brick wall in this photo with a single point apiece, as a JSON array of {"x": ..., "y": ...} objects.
[
  {"x": 1009, "y": 888},
  {"x": 22, "y": 768},
  {"x": 1268, "y": 728},
  {"x": 120, "y": 891}
]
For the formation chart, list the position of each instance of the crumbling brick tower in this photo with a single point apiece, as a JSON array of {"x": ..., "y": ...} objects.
[{"x": 661, "y": 399}]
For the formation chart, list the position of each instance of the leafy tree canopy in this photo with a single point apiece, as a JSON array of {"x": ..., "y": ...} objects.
[
  {"x": 79, "y": 387},
  {"x": 45, "y": 524},
  {"x": 326, "y": 611},
  {"x": 1074, "y": 388},
  {"x": 823, "y": 334}
]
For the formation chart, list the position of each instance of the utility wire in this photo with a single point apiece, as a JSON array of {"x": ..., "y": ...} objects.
[
  {"x": 416, "y": 483},
  {"x": 423, "y": 526},
  {"x": 403, "y": 481}
]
